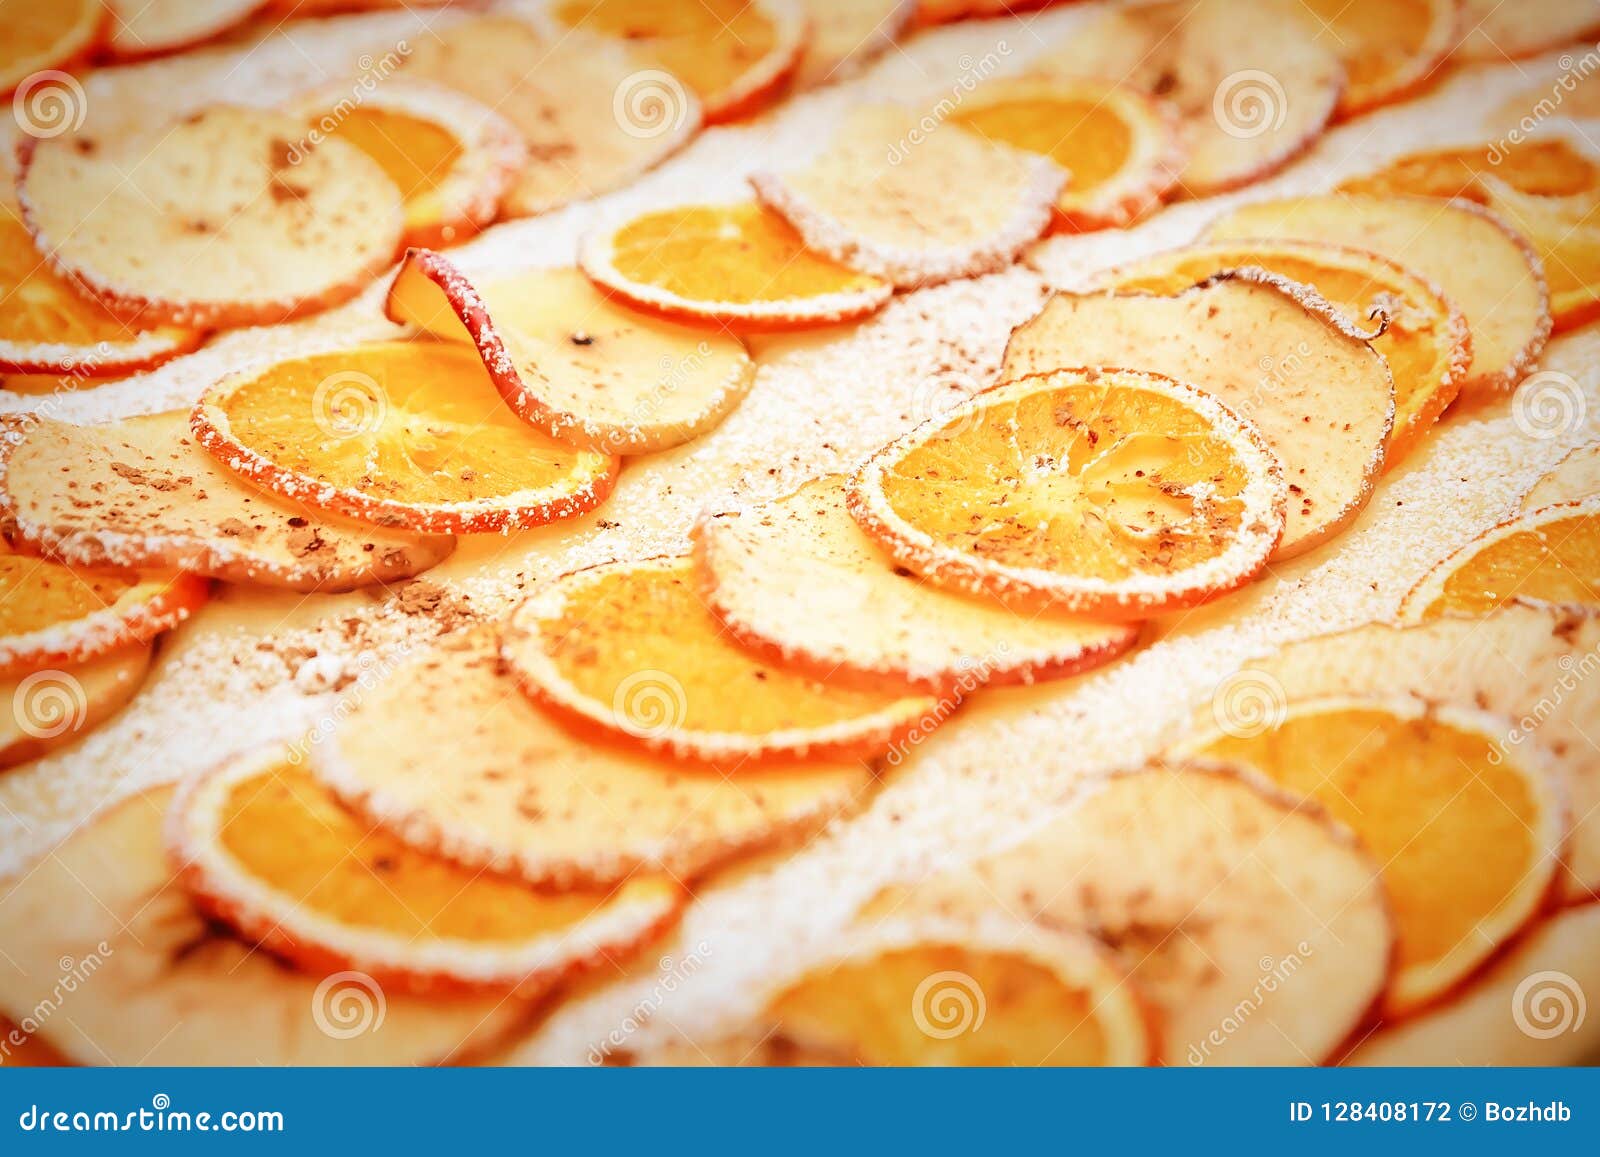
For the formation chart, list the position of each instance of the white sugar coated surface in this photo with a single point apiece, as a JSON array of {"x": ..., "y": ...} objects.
[{"x": 258, "y": 666}]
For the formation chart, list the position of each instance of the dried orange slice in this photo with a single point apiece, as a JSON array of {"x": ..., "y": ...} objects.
[
  {"x": 574, "y": 363},
  {"x": 1549, "y": 557},
  {"x": 630, "y": 650},
  {"x": 142, "y": 495},
  {"x": 1574, "y": 479},
  {"x": 171, "y": 987},
  {"x": 1252, "y": 81},
  {"x": 48, "y": 327},
  {"x": 171, "y": 225},
  {"x": 797, "y": 579},
  {"x": 51, "y": 615},
  {"x": 449, "y": 755},
  {"x": 1494, "y": 31},
  {"x": 1548, "y": 166},
  {"x": 46, "y": 34},
  {"x": 949, "y": 11},
  {"x": 1114, "y": 493},
  {"x": 741, "y": 265},
  {"x": 267, "y": 849},
  {"x": 592, "y": 120},
  {"x": 1280, "y": 357},
  {"x": 1470, "y": 831},
  {"x": 879, "y": 199},
  {"x": 929, "y": 991},
  {"x": 1480, "y": 264},
  {"x": 846, "y": 35},
  {"x": 51, "y": 707},
  {"x": 452, "y": 158},
  {"x": 1568, "y": 246},
  {"x": 1425, "y": 340},
  {"x": 407, "y": 433},
  {"x": 1121, "y": 147},
  {"x": 1389, "y": 47},
  {"x": 1214, "y": 891},
  {"x": 148, "y": 27},
  {"x": 734, "y": 54}
]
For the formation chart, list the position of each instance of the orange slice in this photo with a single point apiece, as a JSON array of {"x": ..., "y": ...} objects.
[
  {"x": 1496, "y": 32},
  {"x": 1568, "y": 245},
  {"x": 740, "y": 265},
  {"x": 1251, "y": 80},
  {"x": 1469, "y": 830},
  {"x": 733, "y": 54},
  {"x": 1425, "y": 340},
  {"x": 1277, "y": 355},
  {"x": 450, "y": 756},
  {"x": 52, "y": 615},
  {"x": 148, "y": 27},
  {"x": 630, "y": 650},
  {"x": 1549, "y": 557},
  {"x": 268, "y": 850},
  {"x": 39, "y": 385},
  {"x": 1479, "y": 263},
  {"x": 1550, "y": 166},
  {"x": 51, "y": 707},
  {"x": 452, "y": 158},
  {"x": 879, "y": 199},
  {"x": 592, "y": 119},
  {"x": 46, "y": 34},
  {"x": 1121, "y": 148},
  {"x": 970, "y": 993},
  {"x": 407, "y": 434},
  {"x": 171, "y": 987},
  {"x": 142, "y": 495},
  {"x": 1114, "y": 493},
  {"x": 574, "y": 363},
  {"x": 847, "y": 35},
  {"x": 949, "y": 11},
  {"x": 48, "y": 327},
  {"x": 797, "y": 579},
  {"x": 1575, "y": 478},
  {"x": 1390, "y": 48},
  {"x": 171, "y": 225},
  {"x": 1214, "y": 892}
]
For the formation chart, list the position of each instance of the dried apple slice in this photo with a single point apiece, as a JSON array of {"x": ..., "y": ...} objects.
[
  {"x": 1546, "y": 166},
  {"x": 52, "y": 707},
  {"x": 268, "y": 850},
  {"x": 847, "y": 35},
  {"x": 981, "y": 992},
  {"x": 1390, "y": 48},
  {"x": 740, "y": 265},
  {"x": 409, "y": 434},
  {"x": 881, "y": 201},
  {"x": 1495, "y": 31},
  {"x": 629, "y": 650},
  {"x": 1568, "y": 249},
  {"x": 168, "y": 987},
  {"x": 1521, "y": 663},
  {"x": 734, "y": 54},
  {"x": 1251, "y": 80},
  {"x": 1213, "y": 890},
  {"x": 1574, "y": 479},
  {"x": 48, "y": 327},
  {"x": 51, "y": 615},
  {"x": 1121, "y": 147},
  {"x": 1470, "y": 832},
  {"x": 148, "y": 27},
  {"x": 142, "y": 495},
  {"x": 1480, "y": 264},
  {"x": 1425, "y": 341},
  {"x": 452, "y": 158},
  {"x": 1274, "y": 352},
  {"x": 172, "y": 225},
  {"x": 1116, "y": 493},
  {"x": 575, "y": 364},
  {"x": 1548, "y": 557},
  {"x": 46, "y": 34},
  {"x": 797, "y": 579},
  {"x": 592, "y": 120},
  {"x": 450, "y": 756}
]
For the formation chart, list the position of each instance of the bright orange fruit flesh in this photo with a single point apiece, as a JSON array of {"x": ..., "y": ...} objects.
[
  {"x": 1558, "y": 562},
  {"x": 1546, "y": 168},
  {"x": 1451, "y": 820},
  {"x": 417, "y": 154},
  {"x": 286, "y": 830},
  {"x": 35, "y": 594},
  {"x": 37, "y": 305},
  {"x": 1375, "y": 39},
  {"x": 880, "y": 1011},
  {"x": 1081, "y": 479},
  {"x": 1085, "y": 137}
]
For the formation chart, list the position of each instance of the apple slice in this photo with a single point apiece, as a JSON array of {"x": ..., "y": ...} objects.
[
  {"x": 1390, "y": 48},
  {"x": 149, "y": 27},
  {"x": 1494, "y": 31},
  {"x": 159, "y": 984},
  {"x": 52, "y": 707},
  {"x": 847, "y": 35},
  {"x": 1575, "y": 478}
]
